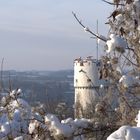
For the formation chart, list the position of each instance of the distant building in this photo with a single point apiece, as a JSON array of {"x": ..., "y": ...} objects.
[{"x": 86, "y": 83}]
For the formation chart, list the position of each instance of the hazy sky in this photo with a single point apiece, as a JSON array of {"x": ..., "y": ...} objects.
[{"x": 43, "y": 34}]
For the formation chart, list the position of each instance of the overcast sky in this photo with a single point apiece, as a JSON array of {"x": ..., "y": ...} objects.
[{"x": 43, "y": 34}]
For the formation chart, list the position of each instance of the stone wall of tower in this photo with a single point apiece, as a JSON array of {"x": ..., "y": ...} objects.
[{"x": 86, "y": 83}]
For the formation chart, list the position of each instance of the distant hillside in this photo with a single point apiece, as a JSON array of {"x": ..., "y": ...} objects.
[{"x": 41, "y": 85}]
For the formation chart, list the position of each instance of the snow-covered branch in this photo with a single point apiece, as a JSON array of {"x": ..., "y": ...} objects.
[
  {"x": 88, "y": 30},
  {"x": 116, "y": 3}
]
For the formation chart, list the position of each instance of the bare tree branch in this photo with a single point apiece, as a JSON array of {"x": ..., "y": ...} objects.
[
  {"x": 131, "y": 61},
  {"x": 87, "y": 29},
  {"x": 113, "y": 3},
  {"x": 1, "y": 77}
]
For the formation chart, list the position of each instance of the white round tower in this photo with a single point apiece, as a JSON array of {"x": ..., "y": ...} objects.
[{"x": 86, "y": 82}]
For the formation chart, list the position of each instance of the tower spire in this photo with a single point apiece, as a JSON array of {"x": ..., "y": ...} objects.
[{"x": 97, "y": 40}]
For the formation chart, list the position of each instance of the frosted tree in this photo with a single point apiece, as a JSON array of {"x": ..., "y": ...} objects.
[
  {"x": 123, "y": 47},
  {"x": 19, "y": 121},
  {"x": 121, "y": 60}
]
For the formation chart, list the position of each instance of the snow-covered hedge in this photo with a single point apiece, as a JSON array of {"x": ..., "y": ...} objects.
[
  {"x": 18, "y": 121},
  {"x": 127, "y": 132}
]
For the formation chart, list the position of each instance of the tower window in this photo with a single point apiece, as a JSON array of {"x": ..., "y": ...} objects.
[
  {"x": 81, "y": 64},
  {"x": 88, "y": 80},
  {"x": 76, "y": 80}
]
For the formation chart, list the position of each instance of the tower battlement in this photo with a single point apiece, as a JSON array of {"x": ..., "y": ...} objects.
[{"x": 86, "y": 72}]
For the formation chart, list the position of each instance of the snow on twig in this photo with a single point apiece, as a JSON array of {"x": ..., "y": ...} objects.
[{"x": 87, "y": 29}]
